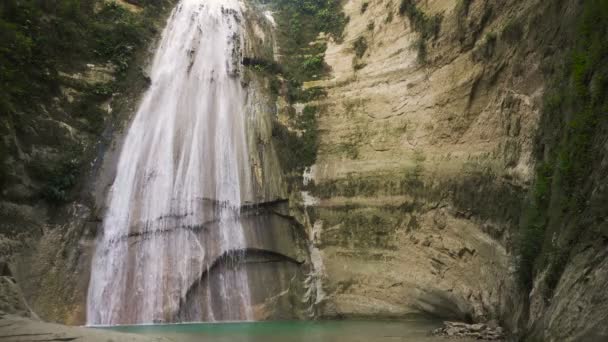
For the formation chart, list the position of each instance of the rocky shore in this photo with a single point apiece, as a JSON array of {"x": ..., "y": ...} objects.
[
  {"x": 479, "y": 331},
  {"x": 20, "y": 329}
]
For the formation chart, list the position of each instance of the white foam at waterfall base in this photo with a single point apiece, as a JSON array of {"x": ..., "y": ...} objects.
[{"x": 185, "y": 147}]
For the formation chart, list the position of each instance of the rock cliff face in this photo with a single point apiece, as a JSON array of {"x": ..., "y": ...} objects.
[
  {"x": 234, "y": 167},
  {"x": 48, "y": 241},
  {"x": 427, "y": 152},
  {"x": 424, "y": 158},
  {"x": 431, "y": 129}
]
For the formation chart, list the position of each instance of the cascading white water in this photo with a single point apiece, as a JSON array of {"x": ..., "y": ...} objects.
[{"x": 185, "y": 152}]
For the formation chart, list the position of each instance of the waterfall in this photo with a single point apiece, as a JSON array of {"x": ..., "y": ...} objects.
[{"x": 184, "y": 163}]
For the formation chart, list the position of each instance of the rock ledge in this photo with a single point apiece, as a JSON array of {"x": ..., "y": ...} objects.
[{"x": 480, "y": 331}]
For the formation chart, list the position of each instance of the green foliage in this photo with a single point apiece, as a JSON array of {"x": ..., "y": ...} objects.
[
  {"x": 408, "y": 7},
  {"x": 311, "y": 94},
  {"x": 364, "y": 7},
  {"x": 420, "y": 46},
  {"x": 57, "y": 174},
  {"x": 573, "y": 127},
  {"x": 117, "y": 33},
  {"x": 3, "y": 170},
  {"x": 299, "y": 24},
  {"x": 40, "y": 38},
  {"x": 309, "y": 17},
  {"x": 531, "y": 238},
  {"x": 263, "y": 65},
  {"x": 360, "y": 46},
  {"x": 427, "y": 27},
  {"x": 102, "y": 90},
  {"x": 307, "y": 124},
  {"x": 62, "y": 178},
  {"x": 298, "y": 149},
  {"x": 313, "y": 65},
  {"x": 275, "y": 86}
]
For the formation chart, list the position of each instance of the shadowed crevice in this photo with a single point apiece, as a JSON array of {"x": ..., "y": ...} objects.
[{"x": 237, "y": 257}]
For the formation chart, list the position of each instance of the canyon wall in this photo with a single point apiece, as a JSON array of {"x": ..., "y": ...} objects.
[
  {"x": 425, "y": 155},
  {"x": 52, "y": 222},
  {"x": 427, "y": 161},
  {"x": 425, "y": 129}
]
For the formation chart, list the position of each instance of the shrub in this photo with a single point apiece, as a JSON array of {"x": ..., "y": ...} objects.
[
  {"x": 39, "y": 38},
  {"x": 364, "y": 7},
  {"x": 427, "y": 27},
  {"x": 531, "y": 238},
  {"x": 298, "y": 151},
  {"x": 102, "y": 90},
  {"x": 313, "y": 65},
  {"x": 360, "y": 46},
  {"x": 263, "y": 65},
  {"x": 61, "y": 179},
  {"x": 420, "y": 46},
  {"x": 311, "y": 94}
]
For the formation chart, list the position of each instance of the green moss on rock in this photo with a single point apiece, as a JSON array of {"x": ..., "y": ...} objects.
[{"x": 566, "y": 202}]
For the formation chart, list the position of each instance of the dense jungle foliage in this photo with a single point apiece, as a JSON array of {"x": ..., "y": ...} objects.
[{"x": 42, "y": 40}]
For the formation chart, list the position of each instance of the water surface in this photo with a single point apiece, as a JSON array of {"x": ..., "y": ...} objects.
[{"x": 295, "y": 331}]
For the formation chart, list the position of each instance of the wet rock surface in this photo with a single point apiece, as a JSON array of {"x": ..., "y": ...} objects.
[
  {"x": 479, "y": 331},
  {"x": 19, "y": 329}
]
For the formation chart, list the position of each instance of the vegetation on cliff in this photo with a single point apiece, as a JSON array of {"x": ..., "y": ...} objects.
[
  {"x": 568, "y": 201},
  {"x": 42, "y": 42},
  {"x": 428, "y": 27},
  {"x": 39, "y": 39},
  {"x": 299, "y": 24}
]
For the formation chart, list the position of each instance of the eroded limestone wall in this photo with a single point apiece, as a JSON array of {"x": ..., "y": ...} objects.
[{"x": 424, "y": 161}]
